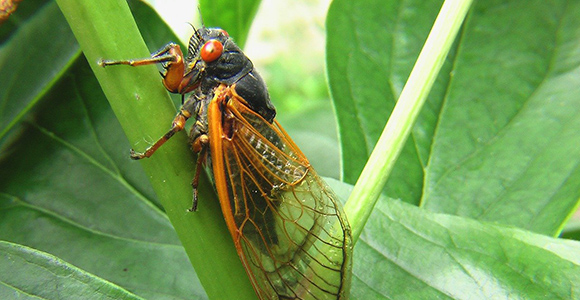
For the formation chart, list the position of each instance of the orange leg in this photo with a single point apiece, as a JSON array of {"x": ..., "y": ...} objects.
[
  {"x": 176, "y": 126},
  {"x": 173, "y": 64}
]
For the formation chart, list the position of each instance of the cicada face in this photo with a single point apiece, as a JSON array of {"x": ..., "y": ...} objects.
[
  {"x": 287, "y": 225},
  {"x": 213, "y": 59}
]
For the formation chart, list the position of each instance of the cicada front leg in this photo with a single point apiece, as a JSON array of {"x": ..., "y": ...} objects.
[
  {"x": 174, "y": 79},
  {"x": 170, "y": 56}
]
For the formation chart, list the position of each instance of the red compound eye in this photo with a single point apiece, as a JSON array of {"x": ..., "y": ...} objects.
[
  {"x": 225, "y": 33},
  {"x": 211, "y": 50}
]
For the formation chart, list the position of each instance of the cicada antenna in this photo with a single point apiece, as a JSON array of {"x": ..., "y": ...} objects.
[{"x": 193, "y": 27}]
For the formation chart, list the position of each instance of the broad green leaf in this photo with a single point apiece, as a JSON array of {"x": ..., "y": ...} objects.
[
  {"x": 371, "y": 48},
  {"x": 506, "y": 148},
  {"x": 29, "y": 72},
  {"x": 68, "y": 188},
  {"x": 17, "y": 18},
  {"x": 38, "y": 52},
  {"x": 234, "y": 16},
  {"x": 500, "y": 135},
  {"x": 26, "y": 273},
  {"x": 406, "y": 252}
]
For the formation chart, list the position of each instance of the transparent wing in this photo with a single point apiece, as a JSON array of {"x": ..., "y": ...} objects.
[{"x": 287, "y": 224}]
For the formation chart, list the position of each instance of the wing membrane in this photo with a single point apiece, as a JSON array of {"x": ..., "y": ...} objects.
[{"x": 287, "y": 224}]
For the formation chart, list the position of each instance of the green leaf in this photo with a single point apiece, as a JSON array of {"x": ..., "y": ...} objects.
[
  {"x": 407, "y": 252},
  {"x": 68, "y": 188},
  {"x": 31, "y": 274},
  {"x": 17, "y": 18},
  {"x": 500, "y": 135},
  {"x": 235, "y": 16},
  {"x": 38, "y": 52},
  {"x": 371, "y": 49},
  {"x": 506, "y": 148}
]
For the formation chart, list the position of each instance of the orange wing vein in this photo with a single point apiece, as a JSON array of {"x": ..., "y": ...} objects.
[{"x": 287, "y": 224}]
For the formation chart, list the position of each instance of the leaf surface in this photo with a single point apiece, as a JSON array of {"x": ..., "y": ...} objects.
[
  {"x": 406, "y": 252},
  {"x": 499, "y": 131},
  {"x": 42, "y": 276}
]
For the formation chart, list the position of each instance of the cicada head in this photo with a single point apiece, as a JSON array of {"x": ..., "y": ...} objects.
[{"x": 213, "y": 59}]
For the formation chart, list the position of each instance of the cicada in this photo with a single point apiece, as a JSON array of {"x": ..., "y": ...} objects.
[{"x": 288, "y": 227}]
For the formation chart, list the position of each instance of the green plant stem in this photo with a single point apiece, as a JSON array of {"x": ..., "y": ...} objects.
[
  {"x": 106, "y": 29},
  {"x": 374, "y": 176}
]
